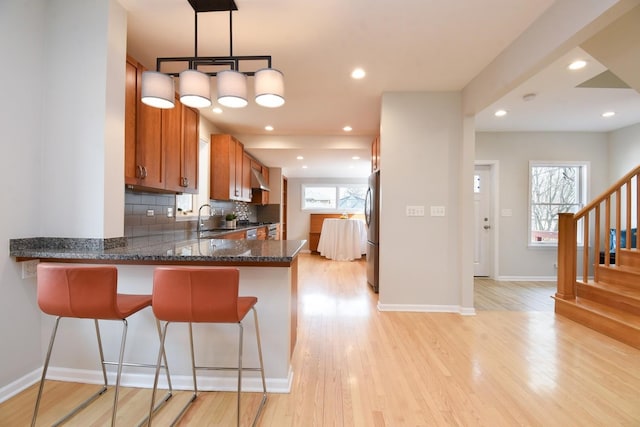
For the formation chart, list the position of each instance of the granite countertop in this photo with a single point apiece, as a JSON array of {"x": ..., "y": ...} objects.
[{"x": 206, "y": 251}]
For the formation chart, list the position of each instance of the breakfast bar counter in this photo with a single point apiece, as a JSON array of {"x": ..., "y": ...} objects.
[
  {"x": 268, "y": 271},
  {"x": 204, "y": 251}
]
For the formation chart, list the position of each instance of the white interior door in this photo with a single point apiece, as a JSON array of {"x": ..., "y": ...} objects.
[{"x": 483, "y": 227}]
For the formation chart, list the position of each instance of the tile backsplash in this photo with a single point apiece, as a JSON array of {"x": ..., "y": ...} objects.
[{"x": 158, "y": 227}]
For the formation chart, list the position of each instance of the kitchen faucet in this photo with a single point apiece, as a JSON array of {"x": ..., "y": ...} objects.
[{"x": 200, "y": 221}]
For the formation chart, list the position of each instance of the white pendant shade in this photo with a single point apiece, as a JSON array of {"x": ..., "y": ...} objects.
[
  {"x": 157, "y": 90},
  {"x": 232, "y": 89},
  {"x": 269, "y": 86},
  {"x": 195, "y": 89}
]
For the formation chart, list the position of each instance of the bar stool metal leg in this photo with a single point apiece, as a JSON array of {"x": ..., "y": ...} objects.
[{"x": 86, "y": 402}]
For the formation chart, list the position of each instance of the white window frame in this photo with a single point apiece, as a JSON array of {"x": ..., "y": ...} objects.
[
  {"x": 583, "y": 195},
  {"x": 336, "y": 188}
]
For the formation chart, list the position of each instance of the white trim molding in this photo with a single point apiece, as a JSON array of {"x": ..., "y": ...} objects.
[{"x": 427, "y": 308}]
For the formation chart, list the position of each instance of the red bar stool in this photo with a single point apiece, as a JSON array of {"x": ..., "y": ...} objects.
[
  {"x": 89, "y": 292},
  {"x": 204, "y": 295}
]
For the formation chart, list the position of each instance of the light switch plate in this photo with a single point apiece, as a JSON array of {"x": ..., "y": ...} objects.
[
  {"x": 415, "y": 210},
  {"x": 437, "y": 211}
]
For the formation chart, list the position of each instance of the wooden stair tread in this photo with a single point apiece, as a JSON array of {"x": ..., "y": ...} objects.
[
  {"x": 609, "y": 312},
  {"x": 615, "y": 288},
  {"x": 625, "y": 268}
]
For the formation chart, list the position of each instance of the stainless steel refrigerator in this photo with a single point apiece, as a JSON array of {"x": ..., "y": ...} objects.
[{"x": 372, "y": 218}]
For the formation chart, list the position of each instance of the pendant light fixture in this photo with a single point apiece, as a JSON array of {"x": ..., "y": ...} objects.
[
  {"x": 269, "y": 87},
  {"x": 195, "y": 85},
  {"x": 157, "y": 89}
]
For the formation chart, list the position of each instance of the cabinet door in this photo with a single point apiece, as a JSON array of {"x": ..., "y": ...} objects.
[
  {"x": 265, "y": 194},
  {"x": 223, "y": 167},
  {"x": 172, "y": 142},
  {"x": 149, "y": 149},
  {"x": 190, "y": 150},
  {"x": 375, "y": 154},
  {"x": 131, "y": 99},
  {"x": 246, "y": 178},
  {"x": 239, "y": 162}
]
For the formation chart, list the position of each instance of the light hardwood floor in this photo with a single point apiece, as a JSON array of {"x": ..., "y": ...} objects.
[
  {"x": 356, "y": 366},
  {"x": 492, "y": 295}
]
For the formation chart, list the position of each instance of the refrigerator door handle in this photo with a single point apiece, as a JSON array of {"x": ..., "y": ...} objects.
[{"x": 367, "y": 207}]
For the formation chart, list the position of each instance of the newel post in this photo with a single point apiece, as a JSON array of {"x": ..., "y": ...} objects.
[{"x": 567, "y": 235}]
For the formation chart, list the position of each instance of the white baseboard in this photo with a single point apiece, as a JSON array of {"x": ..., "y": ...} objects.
[
  {"x": 527, "y": 278},
  {"x": 427, "y": 308},
  {"x": 179, "y": 382},
  {"x": 11, "y": 389}
]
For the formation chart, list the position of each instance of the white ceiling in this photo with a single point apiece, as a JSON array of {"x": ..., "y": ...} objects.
[{"x": 413, "y": 45}]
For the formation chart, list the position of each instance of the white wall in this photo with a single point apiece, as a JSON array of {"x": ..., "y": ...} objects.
[
  {"x": 22, "y": 30},
  {"x": 513, "y": 151},
  {"x": 62, "y": 130},
  {"x": 421, "y": 139},
  {"x": 624, "y": 151},
  {"x": 297, "y": 219},
  {"x": 83, "y": 119}
]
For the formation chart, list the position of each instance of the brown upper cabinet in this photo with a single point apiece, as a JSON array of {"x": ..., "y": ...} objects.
[
  {"x": 161, "y": 146},
  {"x": 375, "y": 154},
  {"x": 231, "y": 170},
  {"x": 227, "y": 158},
  {"x": 246, "y": 177}
]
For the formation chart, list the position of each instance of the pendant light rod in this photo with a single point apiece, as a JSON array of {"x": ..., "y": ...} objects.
[
  {"x": 195, "y": 35},
  {"x": 231, "y": 33}
]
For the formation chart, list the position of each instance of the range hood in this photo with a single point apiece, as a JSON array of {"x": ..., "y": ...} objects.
[{"x": 257, "y": 180}]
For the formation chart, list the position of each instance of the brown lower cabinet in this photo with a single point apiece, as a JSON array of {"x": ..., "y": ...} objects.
[{"x": 238, "y": 235}]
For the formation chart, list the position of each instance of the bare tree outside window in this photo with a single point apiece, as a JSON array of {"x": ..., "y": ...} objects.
[
  {"x": 336, "y": 198},
  {"x": 352, "y": 198},
  {"x": 554, "y": 189}
]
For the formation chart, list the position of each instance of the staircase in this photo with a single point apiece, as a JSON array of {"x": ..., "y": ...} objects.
[{"x": 599, "y": 282}]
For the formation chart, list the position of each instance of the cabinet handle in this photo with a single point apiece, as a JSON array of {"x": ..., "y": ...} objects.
[
  {"x": 185, "y": 181},
  {"x": 139, "y": 171},
  {"x": 144, "y": 172}
]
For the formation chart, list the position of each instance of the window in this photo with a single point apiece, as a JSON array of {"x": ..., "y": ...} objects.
[
  {"x": 554, "y": 188},
  {"x": 341, "y": 198}
]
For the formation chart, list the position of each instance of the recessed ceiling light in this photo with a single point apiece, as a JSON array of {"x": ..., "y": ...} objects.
[
  {"x": 304, "y": 166},
  {"x": 347, "y": 128},
  {"x": 500, "y": 113},
  {"x": 609, "y": 114},
  {"x": 358, "y": 73},
  {"x": 577, "y": 65},
  {"x": 217, "y": 110},
  {"x": 355, "y": 158},
  {"x": 299, "y": 157},
  {"x": 268, "y": 128}
]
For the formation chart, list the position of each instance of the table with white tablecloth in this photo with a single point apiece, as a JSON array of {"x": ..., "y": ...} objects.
[{"x": 343, "y": 239}]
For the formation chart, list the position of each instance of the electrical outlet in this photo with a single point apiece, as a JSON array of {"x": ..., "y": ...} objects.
[
  {"x": 29, "y": 268},
  {"x": 169, "y": 212},
  {"x": 150, "y": 212}
]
